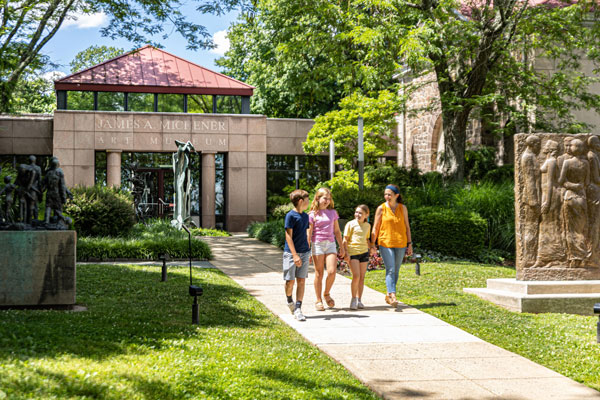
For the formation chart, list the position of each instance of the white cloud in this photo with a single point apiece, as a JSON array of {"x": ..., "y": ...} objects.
[
  {"x": 85, "y": 20},
  {"x": 220, "y": 39},
  {"x": 53, "y": 75}
]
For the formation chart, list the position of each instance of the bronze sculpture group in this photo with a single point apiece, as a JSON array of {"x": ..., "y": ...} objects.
[
  {"x": 27, "y": 192},
  {"x": 560, "y": 201}
]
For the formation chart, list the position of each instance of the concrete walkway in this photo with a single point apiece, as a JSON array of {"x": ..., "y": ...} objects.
[{"x": 400, "y": 354}]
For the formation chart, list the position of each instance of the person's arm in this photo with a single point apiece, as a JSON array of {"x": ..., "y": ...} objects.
[
  {"x": 338, "y": 236},
  {"x": 347, "y": 234},
  {"x": 309, "y": 231},
  {"x": 409, "y": 249},
  {"x": 375, "y": 231},
  {"x": 290, "y": 242}
]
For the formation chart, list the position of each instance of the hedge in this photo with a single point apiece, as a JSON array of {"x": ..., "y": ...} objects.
[
  {"x": 270, "y": 232},
  {"x": 106, "y": 248},
  {"x": 447, "y": 231}
]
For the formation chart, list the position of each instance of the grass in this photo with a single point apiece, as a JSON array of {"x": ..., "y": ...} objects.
[
  {"x": 136, "y": 342},
  {"x": 562, "y": 342}
]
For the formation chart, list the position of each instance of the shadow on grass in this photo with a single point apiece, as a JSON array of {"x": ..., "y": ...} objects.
[
  {"x": 127, "y": 307},
  {"x": 316, "y": 387},
  {"x": 432, "y": 305}
]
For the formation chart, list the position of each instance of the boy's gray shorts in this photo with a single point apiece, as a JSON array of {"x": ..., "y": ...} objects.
[{"x": 290, "y": 270}]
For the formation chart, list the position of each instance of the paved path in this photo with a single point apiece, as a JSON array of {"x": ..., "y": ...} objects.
[{"x": 400, "y": 354}]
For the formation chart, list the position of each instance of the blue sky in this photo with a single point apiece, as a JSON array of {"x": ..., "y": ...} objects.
[{"x": 77, "y": 35}]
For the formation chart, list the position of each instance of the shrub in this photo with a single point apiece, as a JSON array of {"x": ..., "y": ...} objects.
[
  {"x": 346, "y": 200},
  {"x": 448, "y": 231},
  {"x": 101, "y": 211},
  {"x": 495, "y": 203},
  {"x": 280, "y": 211},
  {"x": 379, "y": 176},
  {"x": 270, "y": 232},
  {"x": 103, "y": 248}
]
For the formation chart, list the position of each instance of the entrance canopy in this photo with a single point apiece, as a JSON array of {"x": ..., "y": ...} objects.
[{"x": 152, "y": 70}]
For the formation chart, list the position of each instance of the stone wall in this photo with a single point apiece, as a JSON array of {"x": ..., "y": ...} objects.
[
  {"x": 37, "y": 268},
  {"x": 26, "y": 134}
]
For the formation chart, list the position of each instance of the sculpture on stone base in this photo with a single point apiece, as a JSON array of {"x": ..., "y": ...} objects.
[
  {"x": 558, "y": 207},
  {"x": 27, "y": 192},
  {"x": 182, "y": 183}
]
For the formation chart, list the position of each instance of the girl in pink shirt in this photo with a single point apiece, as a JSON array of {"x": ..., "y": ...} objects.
[{"x": 323, "y": 231}]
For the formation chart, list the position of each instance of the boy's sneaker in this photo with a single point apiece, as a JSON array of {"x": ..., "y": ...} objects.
[
  {"x": 291, "y": 306},
  {"x": 360, "y": 304},
  {"x": 298, "y": 315},
  {"x": 354, "y": 303}
]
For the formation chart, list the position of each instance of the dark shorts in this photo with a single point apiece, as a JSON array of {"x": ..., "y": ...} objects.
[{"x": 364, "y": 257}]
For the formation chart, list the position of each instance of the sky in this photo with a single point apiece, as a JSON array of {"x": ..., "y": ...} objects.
[{"x": 78, "y": 34}]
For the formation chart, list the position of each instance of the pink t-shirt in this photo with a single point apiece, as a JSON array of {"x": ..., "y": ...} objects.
[{"x": 323, "y": 225}]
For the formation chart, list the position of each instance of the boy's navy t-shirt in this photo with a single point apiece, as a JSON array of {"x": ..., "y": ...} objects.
[{"x": 299, "y": 224}]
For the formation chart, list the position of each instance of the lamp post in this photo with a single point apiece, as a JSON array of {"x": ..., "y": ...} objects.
[
  {"x": 361, "y": 155},
  {"x": 331, "y": 158},
  {"x": 597, "y": 311},
  {"x": 193, "y": 290}
]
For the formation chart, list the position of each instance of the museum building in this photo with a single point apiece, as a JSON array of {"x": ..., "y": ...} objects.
[{"x": 117, "y": 123}]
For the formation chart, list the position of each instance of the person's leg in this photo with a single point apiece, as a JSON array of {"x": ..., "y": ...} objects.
[
  {"x": 331, "y": 264},
  {"x": 300, "y": 283},
  {"x": 361, "y": 280},
  {"x": 387, "y": 254},
  {"x": 319, "y": 261},
  {"x": 355, "y": 269},
  {"x": 398, "y": 258}
]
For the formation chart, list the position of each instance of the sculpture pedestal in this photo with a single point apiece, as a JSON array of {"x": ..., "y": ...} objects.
[
  {"x": 37, "y": 268},
  {"x": 570, "y": 297}
]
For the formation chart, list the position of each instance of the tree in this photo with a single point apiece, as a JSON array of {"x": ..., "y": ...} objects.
[
  {"x": 341, "y": 126},
  {"x": 481, "y": 55},
  {"x": 27, "y": 25},
  {"x": 304, "y": 56},
  {"x": 94, "y": 55}
]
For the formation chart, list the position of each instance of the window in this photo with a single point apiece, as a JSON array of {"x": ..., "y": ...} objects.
[
  {"x": 220, "y": 194},
  {"x": 170, "y": 103},
  {"x": 111, "y": 101},
  {"x": 100, "y": 168},
  {"x": 143, "y": 102},
  {"x": 80, "y": 100},
  {"x": 198, "y": 103},
  {"x": 229, "y": 104}
]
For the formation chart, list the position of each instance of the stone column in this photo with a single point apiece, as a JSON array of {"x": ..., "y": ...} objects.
[
  {"x": 208, "y": 190},
  {"x": 113, "y": 168}
]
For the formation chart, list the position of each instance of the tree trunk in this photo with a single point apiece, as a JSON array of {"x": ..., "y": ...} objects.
[{"x": 452, "y": 160}]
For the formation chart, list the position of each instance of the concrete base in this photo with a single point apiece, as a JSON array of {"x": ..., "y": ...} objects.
[
  {"x": 37, "y": 268},
  {"x": 569, "y": 297}
]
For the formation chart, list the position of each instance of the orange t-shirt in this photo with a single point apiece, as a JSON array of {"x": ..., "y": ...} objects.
[{"x": 392, "y": 231}]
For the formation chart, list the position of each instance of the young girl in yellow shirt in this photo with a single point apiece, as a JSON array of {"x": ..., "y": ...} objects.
[{"x": 357, "y": 252}]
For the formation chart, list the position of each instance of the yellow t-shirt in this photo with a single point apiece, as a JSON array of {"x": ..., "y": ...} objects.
[{"x": 356, "y": 235}]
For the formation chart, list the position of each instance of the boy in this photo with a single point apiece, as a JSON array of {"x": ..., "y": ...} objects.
[{"x": 296, "y": 251}]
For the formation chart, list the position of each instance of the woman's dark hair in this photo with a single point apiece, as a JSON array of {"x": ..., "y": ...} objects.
[{"x": 399, "y": 199}]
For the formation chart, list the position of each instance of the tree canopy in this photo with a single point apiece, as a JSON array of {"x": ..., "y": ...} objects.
[
  {"x": 94, "y": 55},
  {"x": 484, "y": 56},
  {"x": 27, "y": 25}
]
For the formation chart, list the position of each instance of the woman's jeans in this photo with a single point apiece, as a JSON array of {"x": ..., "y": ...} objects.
[{"x": 392, "y": 258}]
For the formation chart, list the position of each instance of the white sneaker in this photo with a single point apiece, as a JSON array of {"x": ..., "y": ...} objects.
[
  {"x": 354, "y": 303},
  {"x": 360, "y": 304},
  {"x": 298, "y": 315},
  {"x": 291, "y": 306}
]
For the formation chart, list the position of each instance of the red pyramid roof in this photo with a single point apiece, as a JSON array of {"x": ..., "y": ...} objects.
[{"x": 152, "y": 70}]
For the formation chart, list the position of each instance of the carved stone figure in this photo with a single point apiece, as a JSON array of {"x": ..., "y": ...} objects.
[
  {"x": 182, "y": 180},
  {"x": 575, "y": 177},
  {"x": 28, "y": 190},
  {"x": 56, "y": 191},
  {"x": 551, "y": 249},
  {"x": 593, "y": 197},
  {"x": 8, "y": 192},
  {"x": 531, "y": 199}
]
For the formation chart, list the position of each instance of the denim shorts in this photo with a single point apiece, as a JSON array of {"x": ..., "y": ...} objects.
[
  {"x": 364, "y": 257},
  {"x": 324, "y": 247},
  {"x": 290, "y": 270}
]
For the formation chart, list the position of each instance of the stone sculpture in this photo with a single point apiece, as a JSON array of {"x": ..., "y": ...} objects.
[
  {"x": 558, "y": 207},
  {"x": 56, "y": 191},
  {"x": 182, "y": 183},
  {"x": 27, "y": 192}
]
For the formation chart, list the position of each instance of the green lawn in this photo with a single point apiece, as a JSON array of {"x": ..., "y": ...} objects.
[
  {"x": 564, "y": 343},
  {"x": 136, "y": 341}
]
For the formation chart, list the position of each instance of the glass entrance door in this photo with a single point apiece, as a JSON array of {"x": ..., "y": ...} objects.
[{"x": 153, "y": 192}]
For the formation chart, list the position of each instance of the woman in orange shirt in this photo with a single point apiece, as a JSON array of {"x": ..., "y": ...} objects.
[{"x": 392, "y": 231}]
